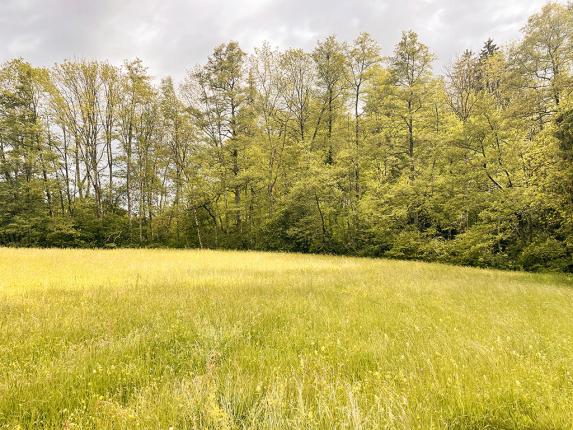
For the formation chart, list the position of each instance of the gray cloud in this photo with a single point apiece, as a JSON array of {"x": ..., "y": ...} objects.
[{"x": 171, "y": 36}]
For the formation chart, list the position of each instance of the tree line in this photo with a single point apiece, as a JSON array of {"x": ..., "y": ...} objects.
[{"x": 338, "y": 150}]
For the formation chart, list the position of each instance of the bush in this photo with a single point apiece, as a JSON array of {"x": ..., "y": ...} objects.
[{"x": 544, "y": 254}]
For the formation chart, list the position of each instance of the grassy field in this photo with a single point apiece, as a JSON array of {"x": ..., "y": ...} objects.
[{"x": 161, "y": 339}]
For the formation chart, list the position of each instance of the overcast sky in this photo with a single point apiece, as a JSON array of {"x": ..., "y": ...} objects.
[{"x": 171, "y": 36}]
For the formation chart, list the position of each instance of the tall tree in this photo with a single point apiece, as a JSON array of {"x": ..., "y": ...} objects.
[
  {"x": 362, "y": 56},
  {"x": 331, "y": 73},
  {"x": 410, "y": 72}
]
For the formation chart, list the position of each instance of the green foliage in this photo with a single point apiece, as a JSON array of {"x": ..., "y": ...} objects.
[
  {"x": 337, "y": 150},
  {"x": 545, "y": 253}
]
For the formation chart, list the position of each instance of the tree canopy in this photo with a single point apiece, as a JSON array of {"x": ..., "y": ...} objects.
[{"x": 338, "y": 150}]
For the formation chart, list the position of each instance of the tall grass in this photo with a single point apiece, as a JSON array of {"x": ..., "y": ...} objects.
[{"x": 165, "y": 339}]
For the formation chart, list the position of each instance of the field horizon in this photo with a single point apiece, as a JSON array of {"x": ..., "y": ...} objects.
[{"x": 164, "y": 338}]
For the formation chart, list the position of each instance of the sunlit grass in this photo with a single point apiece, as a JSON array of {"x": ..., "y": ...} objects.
[{"x": 208, "y": 339}]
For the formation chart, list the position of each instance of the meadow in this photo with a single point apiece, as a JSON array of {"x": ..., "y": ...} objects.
[{"x": 169, "y": 339}]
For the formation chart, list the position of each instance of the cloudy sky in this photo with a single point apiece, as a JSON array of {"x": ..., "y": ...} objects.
[{"x": 171, "y": 36}]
